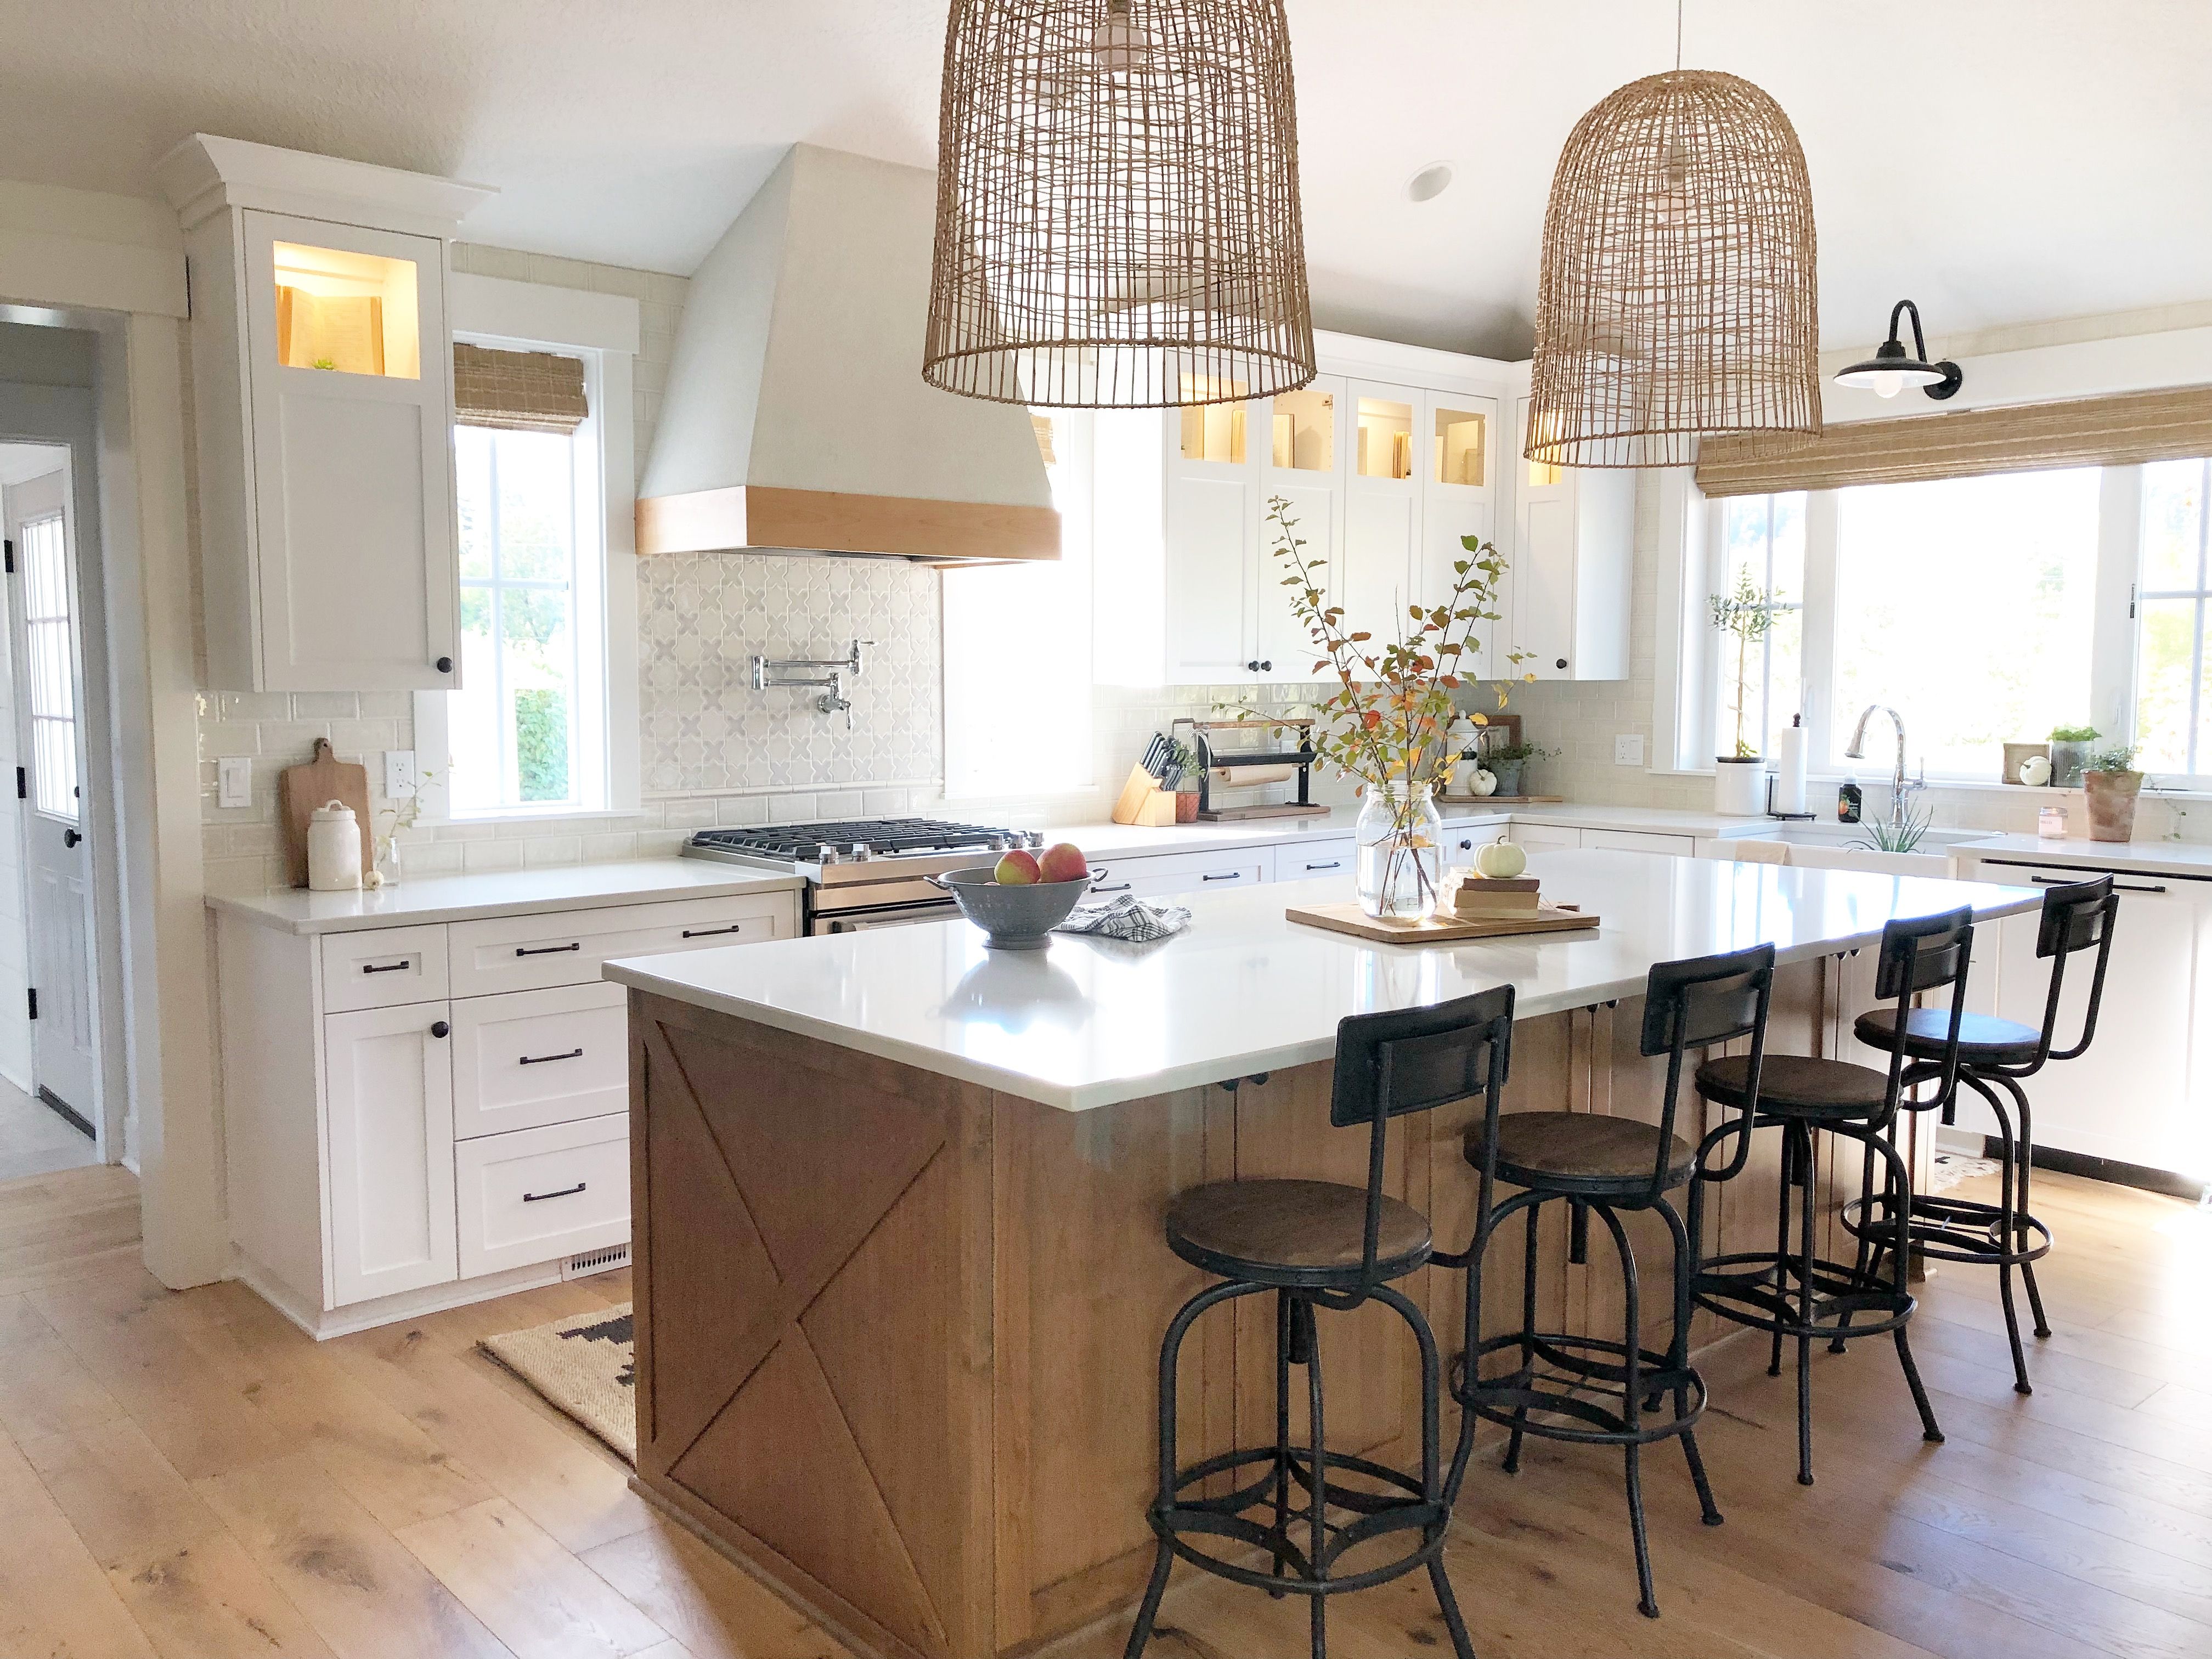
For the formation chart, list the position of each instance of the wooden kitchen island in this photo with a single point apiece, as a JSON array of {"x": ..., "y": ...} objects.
[{"x": 900, "y": 1279}]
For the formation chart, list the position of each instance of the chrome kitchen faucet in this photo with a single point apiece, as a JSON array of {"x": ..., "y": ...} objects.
[
  {"x": 833, "y": 700},
  {"x": 1901, "y": 789}
]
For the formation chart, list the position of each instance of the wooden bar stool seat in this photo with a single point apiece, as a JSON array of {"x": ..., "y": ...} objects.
[
  {"x": 1579, "y": 1386},
  {"x": 1795, "y": 1086},
  {"x": 1314, "y": 1517},
  {"x": 1983, "y": 1039},
  {"x": 1306, "y": 1233},
  {"x": 1584, "y": 1154}
]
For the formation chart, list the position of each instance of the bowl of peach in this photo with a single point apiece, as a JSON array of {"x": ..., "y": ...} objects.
[{"x": 1024, "y": 895}]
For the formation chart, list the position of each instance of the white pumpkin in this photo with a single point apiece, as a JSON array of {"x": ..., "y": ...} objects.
[
  {"x": 1483, "y": 782},
  {"x": 2035, "y": 771},
  {"x": 1500, "y": 861}
]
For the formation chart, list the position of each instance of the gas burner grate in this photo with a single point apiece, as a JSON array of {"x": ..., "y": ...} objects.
[{"x": 807, "y": 842}]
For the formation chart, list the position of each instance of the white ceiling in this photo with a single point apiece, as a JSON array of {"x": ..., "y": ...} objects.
[{"x": 2000, "y": 161}]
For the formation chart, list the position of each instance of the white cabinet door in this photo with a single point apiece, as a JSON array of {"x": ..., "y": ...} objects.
[
  {"x": 1544, "y": 587},
  {"x": 1458, "y": 498},
  {"x": 2132, "y": 1097},
  {"x": 538, "y": 1194},
  {"x": 531, "y": 1058},
  {"x": 1284, "y": 648},
  {"x": 356, "y": 587},
  {"x": 1545, "y": 837},
  {"x": 388, "y": 1083},
  {"x": 1213, "y": 526},
  {"x": 1381, "y": 507}
]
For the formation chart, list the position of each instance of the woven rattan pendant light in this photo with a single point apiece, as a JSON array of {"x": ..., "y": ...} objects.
[
  {"x": 1677, "y": 293},
  {"x": 1117, "y": 205}
]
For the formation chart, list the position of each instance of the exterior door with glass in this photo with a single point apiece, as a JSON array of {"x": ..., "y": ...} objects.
[{"x": 56, "y": 861}]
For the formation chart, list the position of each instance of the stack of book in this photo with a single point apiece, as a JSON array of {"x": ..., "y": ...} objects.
[{"x": 1486, "y": 898}]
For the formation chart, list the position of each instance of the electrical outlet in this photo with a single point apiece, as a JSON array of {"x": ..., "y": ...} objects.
[
  {"x": 399, "y": 774},
  {"x": 1628, "y": 748},
  {"x": 233, "y": 780}
]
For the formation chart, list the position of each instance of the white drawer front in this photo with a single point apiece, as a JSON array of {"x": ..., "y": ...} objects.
[
  {"x": 383, "y": 967},
  {"x": 539, "y": 1194},
  {"x": 529, "y": 1058},
  {"x": 1299, "y": 860},
  {"x": 1545, "y": 837},
  {"x": 567, "y": 947},
  {"x": 1189, "y": 872},
  {"x": 1641, "y": 841}
]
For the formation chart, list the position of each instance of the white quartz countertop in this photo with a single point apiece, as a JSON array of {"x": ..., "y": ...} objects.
[
  {"x": 1132, "y": 841},
  {"x": 1088, "y": 1023},
  {"x": 503, "y": 893},
  {"x": 2183, "y": 858}
]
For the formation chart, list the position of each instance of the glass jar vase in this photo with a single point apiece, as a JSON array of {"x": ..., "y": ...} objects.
[{"x": 1401, "y": 852}]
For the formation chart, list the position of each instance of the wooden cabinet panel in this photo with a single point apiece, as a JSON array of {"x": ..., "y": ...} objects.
[{"x": 388, "y": 1081}]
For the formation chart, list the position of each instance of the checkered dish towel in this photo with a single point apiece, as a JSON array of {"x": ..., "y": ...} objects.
[{"x": 1127, "y": 917}]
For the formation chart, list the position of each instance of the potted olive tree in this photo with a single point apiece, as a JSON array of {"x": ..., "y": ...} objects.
[
  {"x": 2113, "y": 784},
  {"x": 1747, "y": 617}
]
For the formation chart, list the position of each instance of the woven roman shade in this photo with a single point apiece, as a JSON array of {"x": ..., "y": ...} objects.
[
  {"x": 2115, "y": 431},
  {"x": 521, "y": 390}
]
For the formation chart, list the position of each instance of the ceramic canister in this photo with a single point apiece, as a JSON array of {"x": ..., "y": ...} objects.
[{"x": 333, "y": 849}]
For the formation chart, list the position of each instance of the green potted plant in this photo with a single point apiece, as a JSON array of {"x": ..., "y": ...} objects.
[
  {"x": 1745, "y": 615},
  {"x": 2069, "y": 752},
  {"x": 1388, "y": 724},
  {"x": 1507, "y": 761},
  {"x": 2113, "y": 784}
]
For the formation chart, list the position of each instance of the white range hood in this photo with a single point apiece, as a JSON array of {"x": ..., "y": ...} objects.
[{"x": 796, "y": 417}]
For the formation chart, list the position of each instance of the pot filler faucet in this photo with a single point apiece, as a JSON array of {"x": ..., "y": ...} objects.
[
  {"x": 1901, "y": 790},
  {"x": 833, "y": 700}
]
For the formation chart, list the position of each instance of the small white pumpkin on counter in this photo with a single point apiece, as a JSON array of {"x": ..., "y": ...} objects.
[
  {"x": 2035, "y": 771},
  {"x": 1483, "y": 782},
  {"x": 1500, "y": 861}
]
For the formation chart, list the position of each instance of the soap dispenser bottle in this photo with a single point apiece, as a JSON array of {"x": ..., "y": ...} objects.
[{"x": 1849, "y": 800}]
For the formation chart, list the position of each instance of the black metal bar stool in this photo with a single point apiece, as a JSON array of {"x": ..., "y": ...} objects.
[
  {"x": 1993, "y": 1053},
  {"x": 1588, "y": 1389},
  {"x": 1318, "y": 1244},
  {"x": 1790, "y": 1290}
]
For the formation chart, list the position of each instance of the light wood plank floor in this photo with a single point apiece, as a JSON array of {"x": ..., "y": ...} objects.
[{"x": 188, "y": 1475}]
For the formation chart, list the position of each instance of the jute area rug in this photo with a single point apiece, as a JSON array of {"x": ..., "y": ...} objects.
[{"x": 584, "y": 1365}]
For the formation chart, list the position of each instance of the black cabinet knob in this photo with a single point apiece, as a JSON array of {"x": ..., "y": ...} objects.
[
  {"x": 445, "y": 665},
  {"x": 439, "y": 1028},
  {"x": 1562, "y": 663},
  {"x": 69, "y": 838},
  {"x": 1253, "y": 666},
  {"x": 1266, "y": 667}
]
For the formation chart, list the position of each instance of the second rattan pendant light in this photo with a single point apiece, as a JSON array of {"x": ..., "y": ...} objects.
[
  {"x": 1677, "y": 294},
  {"x": 1117, "y": 205}
]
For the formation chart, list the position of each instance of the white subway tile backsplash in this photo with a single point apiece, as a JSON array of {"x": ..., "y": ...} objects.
[{"x": 478, "y": 856}]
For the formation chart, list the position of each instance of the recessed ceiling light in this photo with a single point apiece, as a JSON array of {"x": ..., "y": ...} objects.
[{"x": 1430, "y": 182}]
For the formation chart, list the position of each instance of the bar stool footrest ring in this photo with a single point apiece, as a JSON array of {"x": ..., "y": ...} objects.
[{"x": 1948, "y": 1229}]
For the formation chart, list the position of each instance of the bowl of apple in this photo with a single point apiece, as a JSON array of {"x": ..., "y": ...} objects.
[{"x": 1024, "y": 895}]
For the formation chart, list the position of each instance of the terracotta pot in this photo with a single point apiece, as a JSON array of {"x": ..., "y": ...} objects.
[
  {"x": 2113, "y": 804},
  {"x": 1186, "y": 806}
]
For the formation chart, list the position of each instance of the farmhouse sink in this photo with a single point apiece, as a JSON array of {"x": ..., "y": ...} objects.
[{"x": 1831, "y": 847}]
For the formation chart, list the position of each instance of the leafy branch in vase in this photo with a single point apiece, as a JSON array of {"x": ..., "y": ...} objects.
[{"x": 1387, "y": 725}]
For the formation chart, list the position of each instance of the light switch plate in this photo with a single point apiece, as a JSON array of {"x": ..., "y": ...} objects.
[
  {"x": 233, "y": 780},
  {"x": 1628, "y": 748},
  {"x": 399, "y": 774}
]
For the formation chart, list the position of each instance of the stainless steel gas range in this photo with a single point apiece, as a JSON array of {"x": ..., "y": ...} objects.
[{"x": 867, "y": 873}]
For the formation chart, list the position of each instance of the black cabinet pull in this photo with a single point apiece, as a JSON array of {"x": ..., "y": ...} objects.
[
  {"x": 387, "y": 967},
  {"x": 713, "y": 932},
  {"x": 546, "y": 950},
  {"x": 439, "y": 1028},
  {"x": 566, "y": 1192},
  {"x": 2068, "y": 881},
  {"x": 1226, "y": 875},
  {"x": 445, "y": 664},
  {"x": 1118, "y": 887},
  {"x": 542, "y": 1060},
  {"x": 1334, "y": 864}
]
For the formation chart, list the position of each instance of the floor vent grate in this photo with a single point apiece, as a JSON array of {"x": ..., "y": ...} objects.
[{"x": 596, "y": 1262}]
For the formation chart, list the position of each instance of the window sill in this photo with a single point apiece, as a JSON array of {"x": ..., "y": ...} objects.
[
  {"x": 562, "y": 814},
  {"x": 1972, "y": 786}
]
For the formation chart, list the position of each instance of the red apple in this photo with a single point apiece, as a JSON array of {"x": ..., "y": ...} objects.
[
  {"x": 1063, "y": 862},
  {"x": 1016, "y": 869}
]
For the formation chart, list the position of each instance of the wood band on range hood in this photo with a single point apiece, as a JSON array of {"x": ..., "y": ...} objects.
[{"x": 766, "y": 518}]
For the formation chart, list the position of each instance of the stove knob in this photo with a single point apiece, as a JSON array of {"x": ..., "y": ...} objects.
[
  {"x": 825, "y": 855},
  {"x": 1034, "y": 838},
  {"x": 862, "y": 852}
]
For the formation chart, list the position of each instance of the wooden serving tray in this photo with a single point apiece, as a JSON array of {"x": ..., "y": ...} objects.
[{"x": 1438, "y": 929}]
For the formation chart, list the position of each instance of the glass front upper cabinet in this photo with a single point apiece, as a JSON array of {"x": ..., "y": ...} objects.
[
  {"x": 349, "y": 312},
  {"x": 1303, "y": 436},
  {"x": 1214, "y": 431},
  {"x": 1463, "y": 438},
  {"x": 1386, "y": 438}
]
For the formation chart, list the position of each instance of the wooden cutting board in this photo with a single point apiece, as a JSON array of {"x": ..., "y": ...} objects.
[
  {"x": 1438, "y": 929},
  {"x": 302, "y": 789}
]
